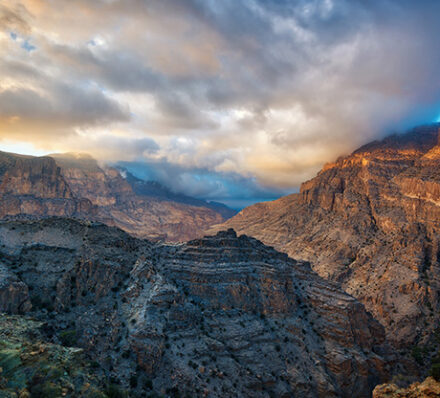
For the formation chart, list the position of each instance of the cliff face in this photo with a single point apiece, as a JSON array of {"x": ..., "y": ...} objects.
[
  {"x": 14, "y": 294},
  {"x": 371, "y": 221},
  {"x": 35, "y": 186},
  {"x": 218, "y": 316},
  {"x": 69, "y": 185}
]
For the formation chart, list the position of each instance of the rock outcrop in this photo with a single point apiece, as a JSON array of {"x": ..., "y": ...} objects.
[
  {"x": 14, "y": 294},
  {"x": 217, "y": 316},
  {"x": 35, "y": 186},
  {"x": 71, "y": 185},
  {"x": 371, "y": 221},
  {"x": 429, "y": 388}
]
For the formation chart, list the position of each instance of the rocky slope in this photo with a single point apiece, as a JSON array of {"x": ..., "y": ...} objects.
[
  {"x": 370, "y": 220},
  {"x": 30, "y": 366},
  {"x": 429, "y": 388},
  {"x": 72, "y": 185},
  {"x": 217, "y": 316}
]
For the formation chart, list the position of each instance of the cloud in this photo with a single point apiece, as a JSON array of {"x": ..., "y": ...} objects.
[
  {"x": 13, "y": 18},
  {"x": 263, "y": 90},
  {"x": 231, "y": 189},
  {"x": 112, "y": 147}
]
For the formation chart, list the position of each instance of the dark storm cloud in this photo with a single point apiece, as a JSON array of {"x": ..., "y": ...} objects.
[
  {"x": 13, "y": 18},
  {"x": 35, "y": 113}
]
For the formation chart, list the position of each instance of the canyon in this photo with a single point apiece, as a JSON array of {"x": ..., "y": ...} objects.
[
  {"x": 331, "y": 292},
  {"x": 222, "y": 315}
]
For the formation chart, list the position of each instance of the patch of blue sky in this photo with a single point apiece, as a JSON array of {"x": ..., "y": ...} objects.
[{"x": 26, "y": 45}]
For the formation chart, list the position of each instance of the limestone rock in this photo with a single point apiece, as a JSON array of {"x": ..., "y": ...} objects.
[
  {"x": 217, "y": 316},
  {"x": 370, "y": 221},
  {"x": 14, "y": 294},
  {"x": 429, "y": 388}
]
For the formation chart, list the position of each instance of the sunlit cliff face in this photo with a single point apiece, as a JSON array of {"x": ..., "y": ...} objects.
[{"x": 216, "y": 92}]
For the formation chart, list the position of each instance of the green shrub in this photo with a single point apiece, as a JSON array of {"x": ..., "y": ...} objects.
[
  {"x": 417, "y": 354},
  {"x": 68, "y": 338},
  {"x": 435, "y": 371},
  {"x": 133, "y": 381},
  {"x": 114, "y": 391},
  {"x": 40, "y": 389}
]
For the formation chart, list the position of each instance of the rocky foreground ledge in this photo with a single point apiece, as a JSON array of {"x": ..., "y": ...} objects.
[
  {"x": 429, "y": 388},
  {"x": 218, "y": 316}
]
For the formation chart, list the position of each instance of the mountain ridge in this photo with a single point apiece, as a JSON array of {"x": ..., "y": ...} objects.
[
  {"x": 371, "y": 221},
  {"x": 75, "y": 185}
]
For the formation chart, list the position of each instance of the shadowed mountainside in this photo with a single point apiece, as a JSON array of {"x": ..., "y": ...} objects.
[{"x": 217, "y": 316}]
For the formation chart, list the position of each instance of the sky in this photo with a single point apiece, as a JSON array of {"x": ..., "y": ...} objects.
[{"x": 234, "y": 101}]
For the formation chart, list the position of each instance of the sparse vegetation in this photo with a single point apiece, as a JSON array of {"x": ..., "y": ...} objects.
[{"x": 68, "y": 338}]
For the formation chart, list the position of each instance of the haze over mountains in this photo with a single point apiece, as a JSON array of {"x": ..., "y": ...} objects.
[{"x": 73, "y": 185}]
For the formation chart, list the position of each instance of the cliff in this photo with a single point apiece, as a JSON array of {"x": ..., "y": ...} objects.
[
  {"x": 72, "y": 185},
  {"x": 370, "y": 221},
  {"x": 35, "y": 186}
]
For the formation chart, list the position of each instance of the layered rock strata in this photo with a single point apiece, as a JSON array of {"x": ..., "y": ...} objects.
[
  {"x": 71, "y": 185},
  {"x": 222, "y": 315},
  {"x": 371, "y": 221}
]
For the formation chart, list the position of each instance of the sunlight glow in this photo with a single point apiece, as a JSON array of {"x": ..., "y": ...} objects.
[{"x": 22, "y": 148}]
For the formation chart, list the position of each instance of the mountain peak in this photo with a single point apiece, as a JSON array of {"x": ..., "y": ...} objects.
[{"x": 421, "y": 138}]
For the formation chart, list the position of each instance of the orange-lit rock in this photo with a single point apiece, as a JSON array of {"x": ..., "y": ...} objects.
[
  {"x": 72, "y": 185},
  {"x": 371, "y": 221}
]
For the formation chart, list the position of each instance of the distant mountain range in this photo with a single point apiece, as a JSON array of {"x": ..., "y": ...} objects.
[
  {"x": 155, "y": 189},
  {"x": 74, "y": 185}
]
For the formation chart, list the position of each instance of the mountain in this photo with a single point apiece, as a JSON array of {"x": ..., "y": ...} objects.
[
  {"x": 73, "y": 185},
  {"x": 35, "y": 186},
  {"x": 218, "y": 316},
  {"x": 156, "y": 190},
  {"x": 371, "y": 221}
]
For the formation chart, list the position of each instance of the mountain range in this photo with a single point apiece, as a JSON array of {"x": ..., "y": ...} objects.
[
  {"x": 74, "y": 185},
  {"x": 330, "y": 292}
]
